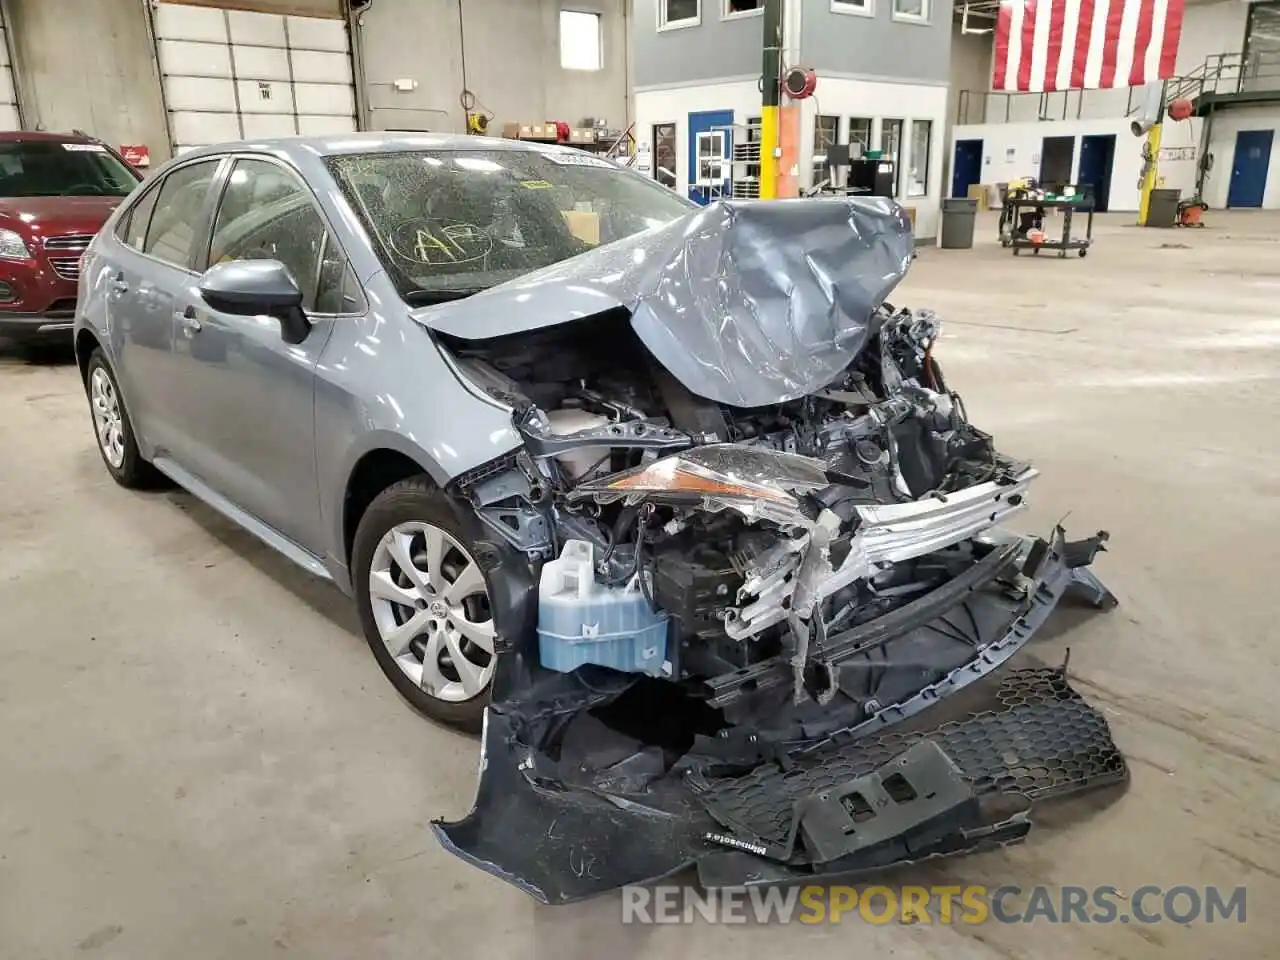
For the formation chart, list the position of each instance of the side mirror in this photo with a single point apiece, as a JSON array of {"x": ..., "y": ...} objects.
[{"x": 249, "y": 288}]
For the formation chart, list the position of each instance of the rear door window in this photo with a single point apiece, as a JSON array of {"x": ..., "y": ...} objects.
[
  {"x": 176, "y": 218},
  {"x": 133, "y": 227}
]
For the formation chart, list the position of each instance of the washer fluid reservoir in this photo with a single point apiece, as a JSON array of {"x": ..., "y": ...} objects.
[
  {"x": 577, "y": 463},
  {"x": 581, "y": 620}
]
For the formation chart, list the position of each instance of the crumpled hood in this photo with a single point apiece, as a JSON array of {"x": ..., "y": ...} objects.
[{"x": 747, "y": 303}]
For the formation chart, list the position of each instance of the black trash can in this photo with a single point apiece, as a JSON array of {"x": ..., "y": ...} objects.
[
  {"x": 1162, "y": 209},
  {"x": 958, "y": 216}
]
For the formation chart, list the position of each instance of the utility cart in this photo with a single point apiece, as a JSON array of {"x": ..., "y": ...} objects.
[{"x": 1022, "y": 223}]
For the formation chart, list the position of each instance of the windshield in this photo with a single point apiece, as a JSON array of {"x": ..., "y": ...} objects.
[
  {"x": 449, "y": 223},
  {"x": 47, "y": 168}
]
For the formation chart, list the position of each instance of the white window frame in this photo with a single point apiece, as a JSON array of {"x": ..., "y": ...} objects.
[
  {"x": 714, "y": 143},
  {"x": 847, "y": 124},
  {"x": 675, "y": 153},
  {"x": 855, "y": 8},
  {"x": 665, "y": 24},
  {"x": 727, "y": 14},
  {"x": 599, "y": 40},
  {"x": 922, "y": 18},
  {"x": 903, "y": 126},
  {"x": 911, "y": 158},
  {"x": 816, "y": 173}
]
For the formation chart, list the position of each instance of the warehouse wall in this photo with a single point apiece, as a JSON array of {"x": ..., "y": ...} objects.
[
  {"x": 1208, "y": 29},
  {"x": 506, "y": 52},
  {"x": 296, "y": 8},
  {"x": 9, "y": 117},
  {"x": 1012, "y": 150},
  {"x": 880, "y": 101},
  {"x": 1226, "y": 125},
  {"x": 877, "y": 46},
  {"x": 840, "y": 97},
  {"x": 716, "y": 49},
  {"x": 742, "y": 97},
  {"x": 89, "y": 64},
  {"x": 970, "y": 71}
]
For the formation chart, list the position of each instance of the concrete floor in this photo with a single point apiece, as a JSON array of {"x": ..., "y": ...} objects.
[{"x": 199, "y": 758}]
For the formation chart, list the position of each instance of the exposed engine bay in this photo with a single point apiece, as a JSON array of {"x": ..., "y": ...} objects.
[
  {"x": 784, "y": 526},
  {"x": 733, "y": 604}
]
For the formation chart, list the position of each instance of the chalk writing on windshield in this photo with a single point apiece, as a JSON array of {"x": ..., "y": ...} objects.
[{"x": 439, "y": 243}]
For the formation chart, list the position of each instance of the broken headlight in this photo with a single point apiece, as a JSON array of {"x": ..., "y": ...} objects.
[{"x": 759, "y": 483}]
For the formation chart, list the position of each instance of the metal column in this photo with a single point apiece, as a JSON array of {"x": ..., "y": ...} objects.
[{"x": 771, "y": 96}]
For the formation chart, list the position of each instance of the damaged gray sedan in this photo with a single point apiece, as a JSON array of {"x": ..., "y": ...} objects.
[{"x": 668, "y": 499}]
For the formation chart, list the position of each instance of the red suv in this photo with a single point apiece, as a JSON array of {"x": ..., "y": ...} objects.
[{"x": 56, "y": 191}]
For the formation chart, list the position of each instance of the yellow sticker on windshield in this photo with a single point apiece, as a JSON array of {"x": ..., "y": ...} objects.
[{"x": 536, "y": 184}]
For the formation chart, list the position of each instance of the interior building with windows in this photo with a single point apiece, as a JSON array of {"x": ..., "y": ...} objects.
[
  {"x": 653, "y": 479},
  {"x": 882, "y": 70}
]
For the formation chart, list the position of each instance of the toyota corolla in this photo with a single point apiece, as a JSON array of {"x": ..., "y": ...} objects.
[{"x": 667, "y": 498}]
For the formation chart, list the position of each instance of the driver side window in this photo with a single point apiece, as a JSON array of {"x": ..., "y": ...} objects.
[{"x": 267, "y": 214}]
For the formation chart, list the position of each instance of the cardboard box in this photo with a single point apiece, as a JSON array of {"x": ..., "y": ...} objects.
[
  {"x": 582, "y": 135},
  {"x": 979, "y": 192},
  {"x": 511, "y": 130},
  {"x": 911, "y": 215},
  {"x": 584, "y": 225}
]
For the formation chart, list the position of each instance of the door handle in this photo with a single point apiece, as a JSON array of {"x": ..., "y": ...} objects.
[
  {"x": 190, "y": 322},
  {"x": 118, "y": 285}
]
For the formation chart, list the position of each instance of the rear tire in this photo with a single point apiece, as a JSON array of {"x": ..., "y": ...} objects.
[
  {"x": 424, "y": 601},
  {"x": 117, "y": 443}
]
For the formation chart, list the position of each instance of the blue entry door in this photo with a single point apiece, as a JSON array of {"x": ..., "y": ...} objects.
[
  {"x": 705, "y": 122},
  {"x": 967, "y": 168},
  {"x": 1249, "y": 168},
  {"x": 1097, "y": 155}
]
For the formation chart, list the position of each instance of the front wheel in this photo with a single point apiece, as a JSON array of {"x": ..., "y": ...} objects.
[
  {"x": 117, "y": 442},
  {"x": 425, "y": 602}
]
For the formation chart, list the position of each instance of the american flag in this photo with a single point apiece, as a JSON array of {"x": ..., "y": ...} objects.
[{"x": 1085, "y": 44}]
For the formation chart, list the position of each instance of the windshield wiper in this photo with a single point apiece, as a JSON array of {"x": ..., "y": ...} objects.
[{"x": 425, "y": 298}]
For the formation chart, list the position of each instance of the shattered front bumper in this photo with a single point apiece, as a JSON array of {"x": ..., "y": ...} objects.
[{"x": 895, "y": 788}]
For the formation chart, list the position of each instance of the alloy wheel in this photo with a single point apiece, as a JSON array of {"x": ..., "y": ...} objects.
[
  {"x": 432, "y": 611},
  {"x": 107, "y": 419}
]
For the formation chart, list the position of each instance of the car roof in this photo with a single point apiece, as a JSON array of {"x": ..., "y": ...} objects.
[
  {"x": 15, "y": 136},
  {"x": 377, "y": 142}
]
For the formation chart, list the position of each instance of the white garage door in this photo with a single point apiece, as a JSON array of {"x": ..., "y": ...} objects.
[
  {"x": 8, "y": 100},
  {"x": 232, "y": 74}
]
